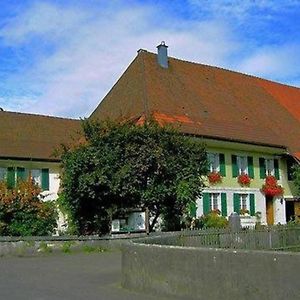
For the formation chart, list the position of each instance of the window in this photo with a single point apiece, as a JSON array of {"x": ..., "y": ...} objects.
[
  {"x": 215, "y": 201},
  {"x": 244, "y": 202},
  {"x": 2, "y": 174},
  {"x": 268, "y": 167},
  {"x": 242, "y": 164},
  {"x": 216, "y": 163},
  {"x": 36, "y": 176}
]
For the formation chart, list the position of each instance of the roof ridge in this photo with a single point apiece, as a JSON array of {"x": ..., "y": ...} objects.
[
  {"x": 224, "y": 69},
  {"x": 37, "y": 115}
]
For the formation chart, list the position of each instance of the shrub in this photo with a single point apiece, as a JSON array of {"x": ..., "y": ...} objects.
[
  {"x": 213, "y": 220},
  {"x": 22, "y": 211}
]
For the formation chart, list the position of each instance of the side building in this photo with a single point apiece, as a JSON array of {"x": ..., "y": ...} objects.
[{"x": 27, "y": 149}]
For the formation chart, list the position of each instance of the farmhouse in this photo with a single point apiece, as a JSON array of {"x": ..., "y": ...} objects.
[{"x": 251, "y": 128}]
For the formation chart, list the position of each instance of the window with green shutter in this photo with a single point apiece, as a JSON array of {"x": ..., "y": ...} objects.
[
  {"x": 21, "y": 173},
  {"x": 262, "y": 168},
  {"x": 250, "y": 167},
  {"x": 193, "y": 209},
  {"x": 224, "y": 204},
  {"x": 11, "y": 177},
  {"x": 236, "y": 203},
  {"x": 222, "y": 164},
  {"x": 206, "y": 203},
  {"x": 3, "y": 174},
  {"x": 235, "y": 171},
  {"x": 45, "y": 179},
  {"x": 252, "y": 204}
]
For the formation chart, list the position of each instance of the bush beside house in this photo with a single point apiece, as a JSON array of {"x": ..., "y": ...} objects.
[{"x": 23, "y": 213}]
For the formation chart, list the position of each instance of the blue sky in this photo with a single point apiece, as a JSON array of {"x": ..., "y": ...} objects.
[{"x": 61, "y": 57}]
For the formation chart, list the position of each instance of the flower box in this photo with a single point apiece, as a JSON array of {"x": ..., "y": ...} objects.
[
  {"x": 244, "y": 179},
  {"x": 214, "y": 178},
  {"x": 271, "y": 187}
]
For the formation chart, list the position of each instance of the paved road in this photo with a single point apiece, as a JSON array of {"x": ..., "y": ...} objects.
[{"x": 64, "y": 277}]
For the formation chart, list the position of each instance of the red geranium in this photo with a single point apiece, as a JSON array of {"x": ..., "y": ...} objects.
[
  {"x": 244, "y": 179},
  {"x": 271, "y": 188},
  {"x": 214, "y": 177}
]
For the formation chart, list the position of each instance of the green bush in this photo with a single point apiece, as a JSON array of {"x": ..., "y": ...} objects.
[{"x": 213, "y": 220}]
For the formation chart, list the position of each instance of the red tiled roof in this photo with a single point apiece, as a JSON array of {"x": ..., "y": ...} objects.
[
  {"x": 31, "y": 136},
  {"x": 206, "y": 101}
]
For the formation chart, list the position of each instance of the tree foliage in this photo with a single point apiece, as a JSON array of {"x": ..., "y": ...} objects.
[
  {"x": 22, "y": 211},
  {"x": 296, "y": 177},
  {"x": 122, "y": 166}
]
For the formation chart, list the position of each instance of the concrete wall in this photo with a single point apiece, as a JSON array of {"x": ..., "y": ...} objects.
[{"x": 214, "y": 274}]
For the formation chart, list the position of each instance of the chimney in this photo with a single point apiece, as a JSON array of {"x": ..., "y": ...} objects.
[{"x": 162, "y": 55}]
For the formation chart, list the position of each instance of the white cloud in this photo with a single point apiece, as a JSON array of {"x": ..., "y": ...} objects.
[
  {"x": 277, "y": 62},
  {"x": 92, "y": 51}
]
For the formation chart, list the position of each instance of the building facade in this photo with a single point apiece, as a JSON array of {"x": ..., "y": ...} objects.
[{"x": 250, "y": 126}]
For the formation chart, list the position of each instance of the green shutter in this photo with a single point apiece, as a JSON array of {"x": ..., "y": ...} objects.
[
  {"x": 252, "y": 205},
  {"x": 206, "y": 203},
  {"x": 235, "y": 171},
  {"x": 11, "y": 180},
  {"x": 45, "y": 179},
  {"x": 250, "y": 167},
  {"x": 224, "y": 204},
  {"x": 276, "y": 168},
  {"x": 21, "y": 173},
  {"x": 262, "y": 168},
  {"x": 222, "y": 164},
  {"x": 236, "y": 203},
  {"x": 193, "y": 209}
]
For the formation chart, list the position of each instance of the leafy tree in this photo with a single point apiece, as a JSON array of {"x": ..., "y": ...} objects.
[
  {"x": 22, "y": 211},
  {"x": 296, "y": 177},
  {"x": 120, "y": 166}
]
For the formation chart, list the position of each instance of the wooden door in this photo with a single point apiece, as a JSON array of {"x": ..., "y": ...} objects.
[{"x": 270, "y": 210}]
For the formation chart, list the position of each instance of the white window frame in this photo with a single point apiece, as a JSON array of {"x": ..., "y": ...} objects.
[
  {"x": 242, "y": 164},
  {"x": 217, "y": 198},
  {"x": 214, "y": 162}
]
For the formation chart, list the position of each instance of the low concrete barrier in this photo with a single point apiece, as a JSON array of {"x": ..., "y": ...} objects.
[
  {"x": 210, "y": 274},
  {"x": 36, "y": 245}
]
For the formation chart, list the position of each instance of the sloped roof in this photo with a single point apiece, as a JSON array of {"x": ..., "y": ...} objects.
[
  {"x": 206, "y": 101},
  {"x": 34, "y": 137}
]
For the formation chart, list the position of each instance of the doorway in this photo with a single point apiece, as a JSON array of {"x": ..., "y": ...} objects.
[
  {"x": 289, "y": 211},
  {"x": 270, "y": 210}
]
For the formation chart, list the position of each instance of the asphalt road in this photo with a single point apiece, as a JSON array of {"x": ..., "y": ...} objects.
[{"x": 64, "y": 276}]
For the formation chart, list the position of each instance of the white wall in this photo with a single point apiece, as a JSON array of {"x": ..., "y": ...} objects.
[{"x": 260, "y": 203}]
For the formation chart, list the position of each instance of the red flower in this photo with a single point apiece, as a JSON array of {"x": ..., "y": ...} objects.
[
  {"x": 244, "y": 179},
  {"x": 214, "y": 177},
  {"x": 271, "y": 188}
]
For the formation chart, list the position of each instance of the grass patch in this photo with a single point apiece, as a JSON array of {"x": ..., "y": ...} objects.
[
  {"x": 66, "y": 247},
  {"x": 93, "y": 249}
]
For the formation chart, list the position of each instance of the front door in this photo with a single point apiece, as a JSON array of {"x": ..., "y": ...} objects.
[{"x": 270, "y": 210}]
